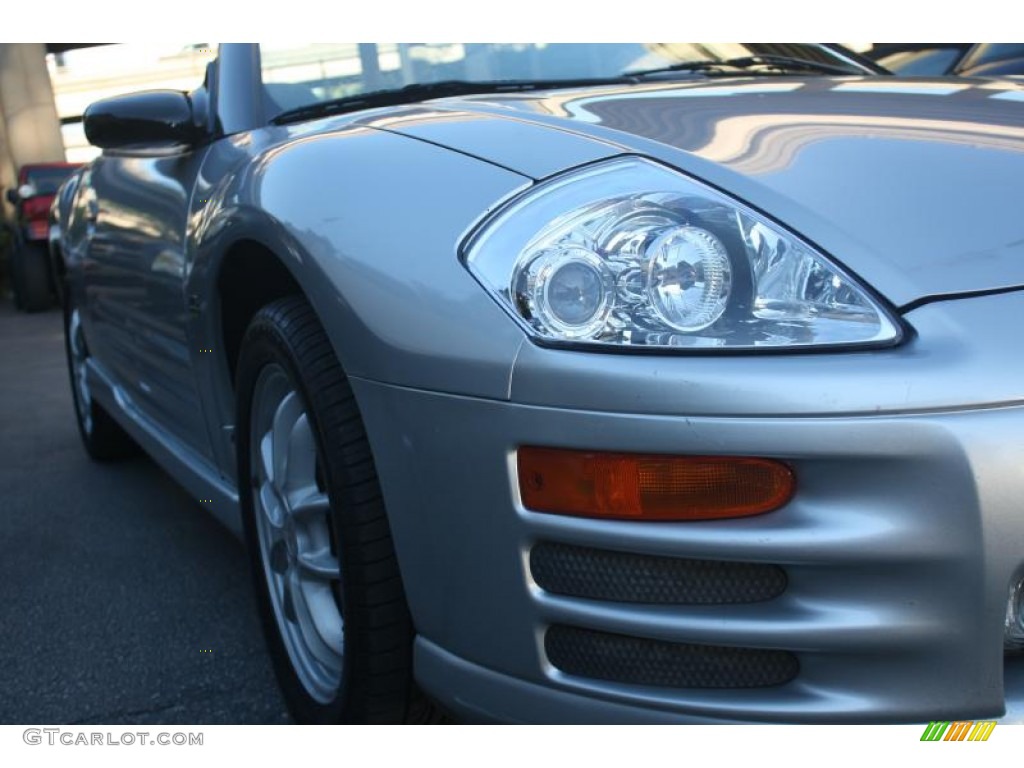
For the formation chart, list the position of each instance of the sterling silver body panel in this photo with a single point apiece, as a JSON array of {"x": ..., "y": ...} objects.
[{"x": 905, "y": 534}]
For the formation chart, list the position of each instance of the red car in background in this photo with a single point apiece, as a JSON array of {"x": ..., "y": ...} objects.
[{"x": 31, "y": 274}]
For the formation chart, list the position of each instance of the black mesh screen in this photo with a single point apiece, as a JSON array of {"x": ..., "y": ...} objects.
[
  {"x": 622, "y": 577},
  {"x": 639, "y": 661}
]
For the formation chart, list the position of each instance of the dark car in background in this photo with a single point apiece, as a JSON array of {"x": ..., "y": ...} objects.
[{"x": 31, "y": 276}]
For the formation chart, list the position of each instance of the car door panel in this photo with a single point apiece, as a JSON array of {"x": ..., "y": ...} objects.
[{"x": 135, "y": 283}]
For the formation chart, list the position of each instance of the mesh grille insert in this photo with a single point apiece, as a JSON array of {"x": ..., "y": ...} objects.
[
  {"x": 639, "y": 661},
  {"x": 622, "y": 577}
]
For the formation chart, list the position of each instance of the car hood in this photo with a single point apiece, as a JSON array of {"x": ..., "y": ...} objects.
[{"x": 914, "y": 184}]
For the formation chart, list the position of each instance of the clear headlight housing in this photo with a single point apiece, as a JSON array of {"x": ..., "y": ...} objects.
[{"x": 629, "y": 253}]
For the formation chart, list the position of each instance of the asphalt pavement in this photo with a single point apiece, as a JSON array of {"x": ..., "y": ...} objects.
[{"x": 121, "y": 600}]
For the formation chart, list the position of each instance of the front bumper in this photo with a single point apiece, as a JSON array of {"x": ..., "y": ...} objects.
[
  {"x": 900, "y": 547},
  {"x": 480, "y": 695}
]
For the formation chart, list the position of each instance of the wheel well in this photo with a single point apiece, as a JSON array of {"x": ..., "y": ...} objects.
[{"x": 251, "y": 276}]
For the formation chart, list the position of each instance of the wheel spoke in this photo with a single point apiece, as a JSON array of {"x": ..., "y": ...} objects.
[
  {"x": 319, "y": 605},
  {"x": 288, "y": 599},
  {"x": 285, "y": 417},
  {"x": 308, "y": 504},
  {"x": 320, "y": 564},
  {"x": 301, "y": 460},
  {"x": 75, "y": 336},
  {"x": 271, "y": 507},
  {"x": 83, "y": 385},
  {"x": 267, "y": 456}
]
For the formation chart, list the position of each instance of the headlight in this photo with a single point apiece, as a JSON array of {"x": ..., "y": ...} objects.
[{"x": 628, "y": 253}]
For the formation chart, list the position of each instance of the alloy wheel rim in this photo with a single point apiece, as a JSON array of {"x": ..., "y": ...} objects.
[
  {"x": 79, "y": 356},
  {"x": 293, "y": 523}
]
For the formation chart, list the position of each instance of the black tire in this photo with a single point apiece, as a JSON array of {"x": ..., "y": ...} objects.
[
  {"x": 376, "y": 668},
  {"x": 103, "y": 438},
  {"x": 30, "y": 273}
]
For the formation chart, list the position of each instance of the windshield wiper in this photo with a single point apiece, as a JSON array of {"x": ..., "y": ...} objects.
[
  {"x": 780, "y": 63},
  {"x": 418, "y": 91}
]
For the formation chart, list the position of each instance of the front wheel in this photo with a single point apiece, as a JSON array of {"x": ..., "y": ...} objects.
[{"x": 326, "y": 575}]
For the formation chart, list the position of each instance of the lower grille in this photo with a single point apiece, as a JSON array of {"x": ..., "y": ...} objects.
[
  {"x": 640, "y": 661},
  {"x": 623, "y": 577}
]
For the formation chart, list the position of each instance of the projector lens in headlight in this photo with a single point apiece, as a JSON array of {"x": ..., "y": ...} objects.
[
  {"x": 629, "y": 253},
  {"x": 569, "y": 289}
]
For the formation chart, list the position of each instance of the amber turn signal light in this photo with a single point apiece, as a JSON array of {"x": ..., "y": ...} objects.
[{"x": 630, "y": 486}]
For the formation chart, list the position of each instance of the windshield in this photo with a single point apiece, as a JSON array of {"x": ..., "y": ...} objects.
[
  {"x": 46, "y": 180},
  {"x": 987, "y": 53},
  {"x": 925, "y": 61},
  {"x": 296, "y": 76}
]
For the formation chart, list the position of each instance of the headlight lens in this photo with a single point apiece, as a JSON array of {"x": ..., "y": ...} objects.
[{"x": 630, "y": 253}]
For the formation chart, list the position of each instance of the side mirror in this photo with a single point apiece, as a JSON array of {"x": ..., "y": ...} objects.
[
  {"x": 147, "y": 120},
  {"x": 12, "y": 196}
]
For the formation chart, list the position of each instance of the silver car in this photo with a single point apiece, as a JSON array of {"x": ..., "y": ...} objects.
[{"x": 572, "y": 383}]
